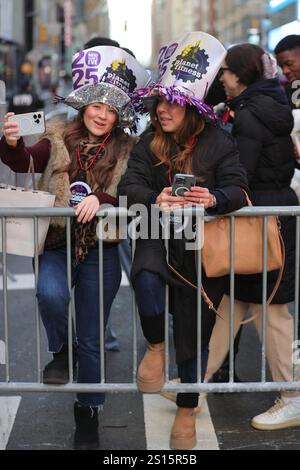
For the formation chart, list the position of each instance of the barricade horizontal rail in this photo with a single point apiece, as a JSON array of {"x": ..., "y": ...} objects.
[
  {"x": 122, "y": 387},
  {"x": 122, "y": 211},
  {"x": 169, "y": 387},
  {"x": 104, "y": 386}
]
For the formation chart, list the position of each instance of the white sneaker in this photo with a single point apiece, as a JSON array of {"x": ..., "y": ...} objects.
[{"x": 282, "y": 415}]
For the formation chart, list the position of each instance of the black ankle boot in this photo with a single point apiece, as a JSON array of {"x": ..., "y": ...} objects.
[
  {"x": 57, "y": 371},
  {"x": 86, "y": 435}
]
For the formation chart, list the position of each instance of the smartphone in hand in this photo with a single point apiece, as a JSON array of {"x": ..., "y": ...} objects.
[
  {"x": 181, "y": 183},
  {"x": 29, "y": 123}
]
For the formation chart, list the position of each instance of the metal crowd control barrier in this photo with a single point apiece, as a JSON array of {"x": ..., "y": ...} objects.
[{"x": 103, "y": 386}]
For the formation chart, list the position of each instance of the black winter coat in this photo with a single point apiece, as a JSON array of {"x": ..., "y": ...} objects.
[
  {"x": 216, "y": 161},
  {"x": 262, "y": 125}
]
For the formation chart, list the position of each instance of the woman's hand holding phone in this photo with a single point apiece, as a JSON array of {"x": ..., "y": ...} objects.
[
  {"x": 9, "y": 129},
  {"x": 198, "y": 196},
  {"x": 165, "y": 200}
]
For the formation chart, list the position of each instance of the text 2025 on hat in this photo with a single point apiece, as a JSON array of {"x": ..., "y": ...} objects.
[
  {"x": 106, "y": 74},
  {"x": 187, "y": 68}
]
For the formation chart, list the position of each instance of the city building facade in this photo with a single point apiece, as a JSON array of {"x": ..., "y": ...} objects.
[
  {"x": 239, "y": 21},
  {"x": 96, "y": 18},
  {"x": 285, "y": 20},
  {"x": 39, "y": 37},
  {"x": 172, "y": 18},
  {"x": 12, "y": 39}
]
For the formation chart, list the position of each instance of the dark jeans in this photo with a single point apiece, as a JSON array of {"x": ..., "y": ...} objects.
[
  {"x": 150, "y": 297},
  {"x": 54, "y": 296}
]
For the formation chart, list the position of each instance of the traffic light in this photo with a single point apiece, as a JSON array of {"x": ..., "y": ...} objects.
[{"x": 43, "y": 33}]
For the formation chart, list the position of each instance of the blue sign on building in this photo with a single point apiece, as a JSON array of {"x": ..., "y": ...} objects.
[
  {"x": 276, "y": 5},
  {"x": 284, "y": 16}
]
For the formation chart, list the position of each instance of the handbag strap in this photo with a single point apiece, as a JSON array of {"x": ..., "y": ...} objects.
[
  {"x": 249, "y": 203},
  {"x": 30, "y": 170},
  {"x": 210, "y": 303},
  {"x": 206, "y": 298}
]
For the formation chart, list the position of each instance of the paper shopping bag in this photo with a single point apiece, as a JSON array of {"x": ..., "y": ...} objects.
[{"x": 20, "y": 231}]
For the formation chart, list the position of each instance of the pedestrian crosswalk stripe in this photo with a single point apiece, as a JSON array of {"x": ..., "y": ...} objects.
[
  {"x": 159, "y": 414},
  {"x": 8, "y": 411}
]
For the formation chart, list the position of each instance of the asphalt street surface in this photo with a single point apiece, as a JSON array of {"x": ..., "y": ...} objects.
[{"x": 45, "y": 420}]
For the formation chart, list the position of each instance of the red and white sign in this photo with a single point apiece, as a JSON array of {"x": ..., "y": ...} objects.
[{"x": 68, "y": 23}]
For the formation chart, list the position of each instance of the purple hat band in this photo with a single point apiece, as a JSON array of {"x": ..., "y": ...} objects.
[{"x": 174, "y": 95}]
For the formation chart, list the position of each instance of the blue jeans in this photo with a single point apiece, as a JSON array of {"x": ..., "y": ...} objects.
[
  {"x": 149, "y": 289},
  {"x": 54, "y": 296},
  {"x": 150, "y": 297}
]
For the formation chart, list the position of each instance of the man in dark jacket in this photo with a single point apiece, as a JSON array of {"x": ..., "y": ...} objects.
[{"x": 288, "y": 57}]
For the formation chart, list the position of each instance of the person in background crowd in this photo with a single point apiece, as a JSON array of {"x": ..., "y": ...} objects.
[
  {"x": 183, "y": 139},
  {"x": 287, "y": 54},
  {"x": 262, "y": 125},
  {"x": 217, "y": 98},
  {"x": 81, "y": 163},
  {"x": 100, "y": 41},
  {"x": 288, "y": 57},
  {"x": 25, "y": 100}
]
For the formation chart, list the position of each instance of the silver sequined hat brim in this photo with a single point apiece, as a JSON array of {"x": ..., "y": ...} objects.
[{"x": 104, "y": 93}]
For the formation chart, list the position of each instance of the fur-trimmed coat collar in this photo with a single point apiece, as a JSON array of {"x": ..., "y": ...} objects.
[{"x": 55, "y": 178}]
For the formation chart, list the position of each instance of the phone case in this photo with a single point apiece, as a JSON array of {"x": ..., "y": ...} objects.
[
  {"x": 182, "y": 182},
  {"x": 29, "y": 123}
]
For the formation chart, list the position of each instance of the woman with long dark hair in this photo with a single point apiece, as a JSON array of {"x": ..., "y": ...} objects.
[
  {"x": 183, "y": 139},
  {"x": 81, "y": 163}
]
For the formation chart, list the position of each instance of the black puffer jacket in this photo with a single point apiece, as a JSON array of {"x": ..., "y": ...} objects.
[
  {"x": 262, "y": 125},
  {"x": 216, "y": 162}
]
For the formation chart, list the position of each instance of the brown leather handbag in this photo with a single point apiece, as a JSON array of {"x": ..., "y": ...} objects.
[
  {"x": 248, "y": 248},
  {"x": 248, "y": 245}
]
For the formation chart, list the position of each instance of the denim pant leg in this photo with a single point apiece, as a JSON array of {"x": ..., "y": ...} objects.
[
  {"x": 149, "y": 286},
  {"x": 87, "y": 315},
  {"x": 53, "y": 297},
  {"x": 149, "y": 291}
]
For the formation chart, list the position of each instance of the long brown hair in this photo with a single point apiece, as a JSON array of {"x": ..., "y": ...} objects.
[
  {"x": 185, "y": 140},
  {"x": 101, "y": 174}
]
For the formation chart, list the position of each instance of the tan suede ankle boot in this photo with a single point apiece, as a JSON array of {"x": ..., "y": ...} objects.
[
  {"x": 150, "y": 375},
  {"x": 183, "y": 433}
]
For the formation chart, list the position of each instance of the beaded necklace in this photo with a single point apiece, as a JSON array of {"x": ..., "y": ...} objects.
[{"x": 84, "y": 167}]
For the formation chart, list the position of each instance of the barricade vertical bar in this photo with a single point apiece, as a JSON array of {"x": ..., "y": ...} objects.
[
  {"x": 296, "y": 317},
  {"x": 37, "y": 313},
  {"x": 134, "y": 310},
  {"x": 199, "y": 244},
  {"x": 166, "y": 235},
  {"x": 101, "y": 301},
  {"x": 264, "y": 300},
  {"x": 231, "y": 321},
  {"x": 69, "y": 277},
  {"x": 4, "y": 279}
]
